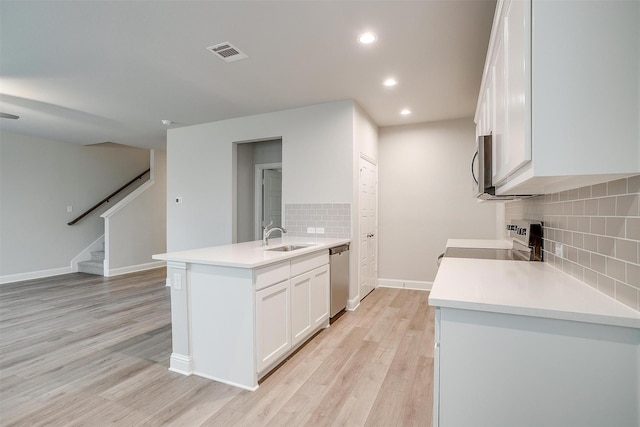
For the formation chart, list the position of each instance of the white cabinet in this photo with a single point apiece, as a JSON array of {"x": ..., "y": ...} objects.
[
  {"x": 320, "y": 297},
  {"x": 309, "y": 302},
  {"x": 560, "y": 94},
  {"x": 493, "y": 369},
  {"x": 301, "y": 299},
  {"x": 507, "y": 90},
  {"x": 292, "y": 302},
  {"x": 513, "y": 148},
  {"x": 273, "y": 328},
  {"x": 309, "y": 295}
]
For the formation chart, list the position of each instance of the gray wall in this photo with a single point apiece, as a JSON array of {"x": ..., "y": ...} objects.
[
  {"x": 38, "y": 180},
  {"x": 137, "y": 229},
  {"x": 425, "y": 197}
]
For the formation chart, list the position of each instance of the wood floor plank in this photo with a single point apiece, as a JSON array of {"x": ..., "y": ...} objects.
[{"x": 78, "y": 350}]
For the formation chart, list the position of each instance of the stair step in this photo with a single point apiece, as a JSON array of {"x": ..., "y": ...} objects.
[
  {"x": 92, "y": 267},
  {"x": 97, "y": 255}
]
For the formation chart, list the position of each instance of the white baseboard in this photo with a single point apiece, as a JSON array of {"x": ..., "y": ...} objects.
[
  {"x": 134, "y": 268},
  {"x": 405, "y": 284},
  {"x": 223, "y": 381},
  {"x": 353, "y": 304},
  {"x": 180, "y": 364},
  {"x": 10, "y": 278}
]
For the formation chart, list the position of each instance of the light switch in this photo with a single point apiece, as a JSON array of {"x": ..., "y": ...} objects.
[
  {"x": 311, "y": 230},
  {"x": 69, "y": 208},
  {"x": 320, "y": 230},
  {"x": 179, "y": 200}
]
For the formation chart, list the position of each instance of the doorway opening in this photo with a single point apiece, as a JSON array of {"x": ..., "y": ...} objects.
[{"x": 258, "y": 187}]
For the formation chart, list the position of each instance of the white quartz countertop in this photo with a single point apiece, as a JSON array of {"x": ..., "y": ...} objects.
[
  {"x": 250, "y": 254},
  {"x": 525, "y": 288}
]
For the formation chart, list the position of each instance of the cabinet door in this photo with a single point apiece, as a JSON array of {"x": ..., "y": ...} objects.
[
  {"x": 309, "y": 302},
  {"x": 273, "y": 332},
  {"x": 498, "y": 77},
  {"x": 319, "y": 296},
  {"x": 513, "y": 89},
  {"x": 300, "y": 307},
  {"x": 517, "y": 38}
]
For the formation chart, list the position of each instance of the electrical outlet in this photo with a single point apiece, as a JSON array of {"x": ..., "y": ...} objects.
[
  {"x": 177, "y": 281},
  {"x": 311, "y": 230},
  {"x": 559, "y": 250},
  {"x": 319, "y": 230}
]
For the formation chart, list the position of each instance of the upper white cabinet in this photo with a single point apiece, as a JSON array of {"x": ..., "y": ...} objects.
[{"x": 560, "y": 94}]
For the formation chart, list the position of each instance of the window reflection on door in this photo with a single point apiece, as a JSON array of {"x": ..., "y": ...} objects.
[{"x": 272, "y": 197}]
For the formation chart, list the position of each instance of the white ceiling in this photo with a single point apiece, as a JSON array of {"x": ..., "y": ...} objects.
[{"x": 94, "y": 71}]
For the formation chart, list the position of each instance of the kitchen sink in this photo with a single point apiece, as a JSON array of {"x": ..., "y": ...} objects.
[{"x": 288, "y": 248}]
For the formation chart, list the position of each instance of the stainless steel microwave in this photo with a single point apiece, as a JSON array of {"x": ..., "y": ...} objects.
[{"x": 482, "y": 175}]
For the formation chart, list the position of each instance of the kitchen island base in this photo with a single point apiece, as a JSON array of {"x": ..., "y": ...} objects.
[{"x": 235, "y": 324}]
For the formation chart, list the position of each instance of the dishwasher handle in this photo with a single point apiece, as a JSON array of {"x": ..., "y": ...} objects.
[{"x": 339, "y": 249}]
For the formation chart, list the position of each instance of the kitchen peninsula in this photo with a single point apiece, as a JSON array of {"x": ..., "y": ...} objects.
[
  {"x": 239, "y": 310},
  {"x": 523, "y": 343}
]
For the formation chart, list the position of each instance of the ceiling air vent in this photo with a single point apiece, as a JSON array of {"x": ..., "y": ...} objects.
[{"x": 227, "y": 52}]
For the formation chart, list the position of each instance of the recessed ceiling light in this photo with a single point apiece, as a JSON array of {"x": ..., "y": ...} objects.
[
  {"x": 367, "y": 38},
  {"x": 405, "y": 112},
  {"x": 390, "y": 82}
]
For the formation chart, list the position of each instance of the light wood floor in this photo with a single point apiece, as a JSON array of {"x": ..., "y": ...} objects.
[{"x": 86, "y": 350}]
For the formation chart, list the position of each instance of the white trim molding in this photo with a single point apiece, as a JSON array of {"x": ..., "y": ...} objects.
[
  {"x": 133, "y": 268},
  {"x": 223, "y": 381},
  {"x": 353, "y": 304},
  {"x": 405, "y": 284},
  {"x": 10, "y": 278},
  {"x": 181, "y": 364}
]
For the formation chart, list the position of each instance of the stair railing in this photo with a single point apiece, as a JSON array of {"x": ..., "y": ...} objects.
[{"x": 106, "y": 199}]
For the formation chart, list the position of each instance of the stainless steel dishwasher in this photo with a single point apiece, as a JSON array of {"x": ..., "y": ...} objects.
[{"x": 339, "y": 261}]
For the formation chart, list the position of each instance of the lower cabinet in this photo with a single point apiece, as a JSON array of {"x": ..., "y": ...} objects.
[
  {"x": 504, "y": 370},
  {"x": 309, "y": 302},
  {"x": 292, "y": 309},
  {"x": 273, "y": 329}
]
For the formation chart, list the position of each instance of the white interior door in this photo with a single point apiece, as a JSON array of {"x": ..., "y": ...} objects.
[
  {"x": 368, "y": 227},
  {"x": 272, "y": 197}
]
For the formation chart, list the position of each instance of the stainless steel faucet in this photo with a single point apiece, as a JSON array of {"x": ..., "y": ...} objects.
[{"x": 266, "y": 232}]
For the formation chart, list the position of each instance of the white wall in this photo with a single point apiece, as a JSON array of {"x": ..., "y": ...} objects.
[
  {"x": 425, "y": 197},
  {"x": 136, "y": 230},
  {"x": 317, "y": 157},
  {"x": 39, "y": 179}
]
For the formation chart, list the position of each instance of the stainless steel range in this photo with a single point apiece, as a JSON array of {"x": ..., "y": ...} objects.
[{"x": 527, "y": 245}]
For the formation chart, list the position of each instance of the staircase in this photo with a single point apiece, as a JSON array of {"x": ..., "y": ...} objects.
[{"x": 95, "y": 265}]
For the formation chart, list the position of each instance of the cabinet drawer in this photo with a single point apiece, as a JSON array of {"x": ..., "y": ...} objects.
[
  {"x": 271, "y": 274},
  {"x": 306, "y": 263}
]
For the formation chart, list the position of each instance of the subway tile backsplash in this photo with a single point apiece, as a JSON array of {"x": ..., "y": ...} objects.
[
  {"x": 335, "y": 218},
  {"x": 597, "y": 231}
]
